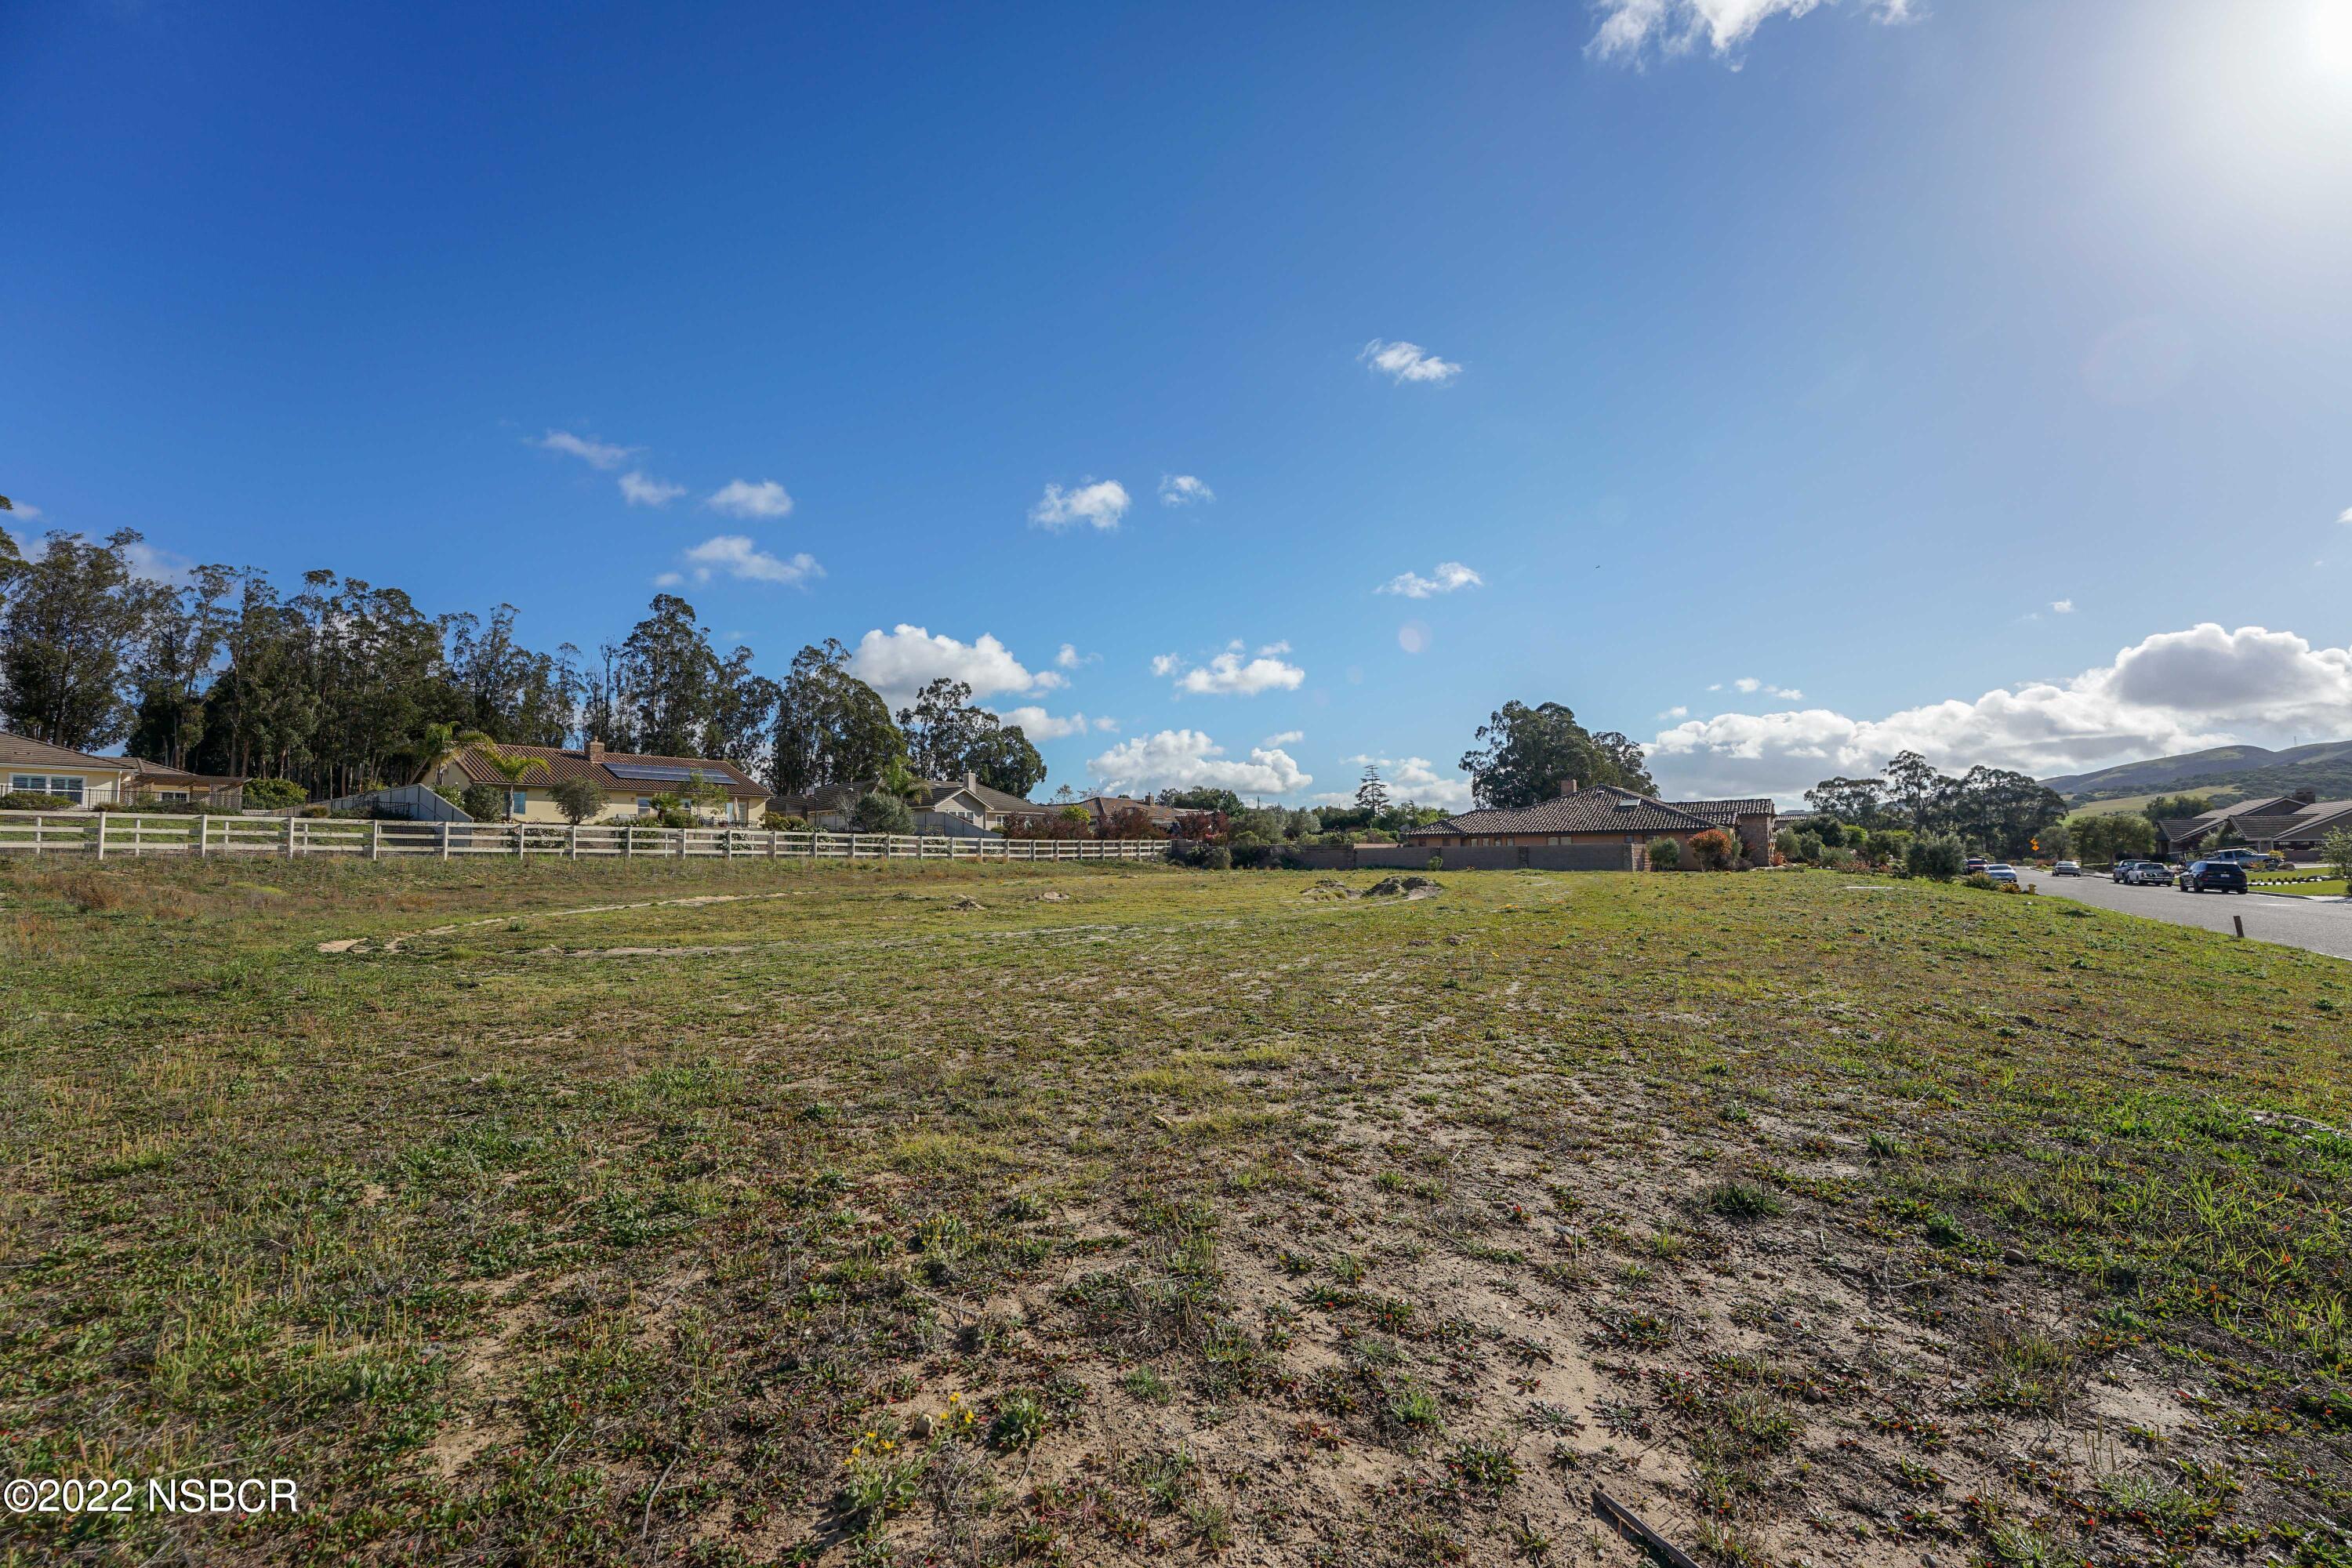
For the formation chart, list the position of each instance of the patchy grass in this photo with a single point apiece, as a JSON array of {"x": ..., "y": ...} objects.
[{"x": 814, "y": 1215}]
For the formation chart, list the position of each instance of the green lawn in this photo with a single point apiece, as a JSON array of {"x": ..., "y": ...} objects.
[
  {"x": 2327, "y": 890},
  {"x": 969, "y": 1216}
]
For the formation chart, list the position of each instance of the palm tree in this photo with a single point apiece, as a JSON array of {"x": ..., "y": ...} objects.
[
  {"x": 897, "y": 779},
  {"x": 445, "y": 744}
]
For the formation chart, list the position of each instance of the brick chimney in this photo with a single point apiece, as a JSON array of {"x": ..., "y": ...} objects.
[
  {"x": 596, "y": 751},
  {"x": 970, "y": 779},
  {"x": 2306, "y": 797},
  {"x": 1566, "y": 788}
]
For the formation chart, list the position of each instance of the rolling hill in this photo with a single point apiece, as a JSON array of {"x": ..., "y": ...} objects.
[{"x": 2230, "y": 772}]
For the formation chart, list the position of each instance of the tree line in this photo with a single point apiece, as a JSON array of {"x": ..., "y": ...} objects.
[
  {"x": 342, "y": 685},
  {"x": 1997, "y": 810}
]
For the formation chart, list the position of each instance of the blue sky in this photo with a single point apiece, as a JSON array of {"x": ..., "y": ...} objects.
[{"x": 1793, "y": 381}]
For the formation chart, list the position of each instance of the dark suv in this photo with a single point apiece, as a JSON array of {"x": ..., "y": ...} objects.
[{"x": 2214, "y": 877}]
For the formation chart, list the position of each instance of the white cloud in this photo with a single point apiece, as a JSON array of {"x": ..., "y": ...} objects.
[
  {"x": 1629, "y": 28},
  {"x": 1449, "y": 576},
  {"x": 1287, "y": 738},
  {"x": 25, "y": 511},
  {"x": 2174, "y": 691},
  {"x": 1408, "y": 778},
  {"x": 1676, "y": 711},
  {"x": 742, "y": 558},
  {"x": 2063, "y": 606},
  {"x": 597, "y": 454},
  {"x": 1183, "y": 490},
  {"x": 1408, "y": 362},
  {"x": 641, "y": 489},
  {"x": 1100, "y": 502},
  {"x": 741, "y": 498},
  {"x": 901, "y": 662},
  {"x": 1187, "y": 759},
  {"x": 2345, "y": 518},
  {"x": 1232, "y": 674},
  {"x": 1040, "y": 725},
  {"x": 1749, "y": 684},
  {"x": 669, "y": 579},
  {"x": 158, "y": 565},
  {"x": 1069, "y": 658}
]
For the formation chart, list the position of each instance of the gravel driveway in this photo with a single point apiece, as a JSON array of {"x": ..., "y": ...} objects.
[{"x": 2315, "y": 925}]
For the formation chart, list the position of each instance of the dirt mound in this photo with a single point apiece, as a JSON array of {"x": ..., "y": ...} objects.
[{"x": 1405, "y": 888}]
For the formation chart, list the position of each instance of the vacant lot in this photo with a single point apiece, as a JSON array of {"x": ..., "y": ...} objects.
[{"x": 1092, "y": 1217}]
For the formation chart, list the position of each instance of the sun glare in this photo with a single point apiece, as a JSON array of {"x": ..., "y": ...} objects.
[{"x": 2331, "y": 37}]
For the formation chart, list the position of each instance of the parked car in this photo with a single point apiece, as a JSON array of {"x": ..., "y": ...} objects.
[
  {"x": 2214, "y": 876},
  {"x": 2123, "y": 869},
  {"x": 2253, "y": 859},
  {"x": 2001, "y": 873},
  {"x": 2066, "y": 868},
  {"x": 1974, "y": 864}
]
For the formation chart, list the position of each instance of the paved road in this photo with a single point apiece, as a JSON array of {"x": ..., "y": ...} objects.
[{"x": 2317, "y": 925}]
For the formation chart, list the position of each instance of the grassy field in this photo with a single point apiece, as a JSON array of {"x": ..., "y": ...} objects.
[
  {"x": 957, "y": 1215},
  {"x": 2123, "y": 804}
]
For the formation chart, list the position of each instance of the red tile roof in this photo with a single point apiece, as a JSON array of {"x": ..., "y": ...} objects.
[{"x": 558, "y": 764}]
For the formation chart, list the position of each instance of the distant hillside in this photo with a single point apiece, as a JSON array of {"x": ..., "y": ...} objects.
[{"x": 2233, "y": 771}]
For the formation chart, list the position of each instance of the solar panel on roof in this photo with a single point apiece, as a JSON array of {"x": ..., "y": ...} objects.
[{"x": 650, "y": 772}]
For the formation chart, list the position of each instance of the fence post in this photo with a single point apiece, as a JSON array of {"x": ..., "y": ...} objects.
[
  {"x": 203, "y": 837},
  {"x": 290, "y": 838},
  {"x": 730, "y": 851},
  {"x": 628, "y": 841},
  {"x": 444, "y": 839},
  {"x": 576, "y": 841},
  {"x": 101, "y": 835},
  {"x": 375, "y": 838}
]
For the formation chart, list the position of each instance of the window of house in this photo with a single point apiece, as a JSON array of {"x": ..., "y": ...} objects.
[
  {"x": 645, "y": 803},
  {"x": 172, "y": 794},
  {"x": 66, "y": 784},
  {"x": 519, "y": 802}
]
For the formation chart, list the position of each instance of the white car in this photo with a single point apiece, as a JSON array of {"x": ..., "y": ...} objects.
[
  {"x": 2001, "y": 873},
  {"x": 2066, "y": 868}
]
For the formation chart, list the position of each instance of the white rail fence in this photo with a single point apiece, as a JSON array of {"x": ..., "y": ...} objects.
[{"x": 107, "y": 834}]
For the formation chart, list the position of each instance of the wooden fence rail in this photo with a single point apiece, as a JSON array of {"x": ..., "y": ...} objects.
[{"x": 105, "y": 833}]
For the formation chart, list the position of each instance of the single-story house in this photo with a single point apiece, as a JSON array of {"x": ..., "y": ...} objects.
[
  {"x": 2291, "y": 825},
  {"x": 627, "y": 780},
  {"x": 1173, "y": 820},
  {"x": 1602, "y": 813},
  {"x": 1753, "y": 821},
  {"x": 154, "y": 782},
  {"x": 35, "y": 767},
  {"x": 962, "y": 807}
]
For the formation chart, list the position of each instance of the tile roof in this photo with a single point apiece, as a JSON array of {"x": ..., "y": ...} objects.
[
  {"x": 162, "y": 772},
  {"x": 834, "y": 796},
  {"x": 558, "y": 764},
  {"x": 23, "y": 750},
  {"x": 1724, "y": 813},
  {"x": 1600, "y": 809}
]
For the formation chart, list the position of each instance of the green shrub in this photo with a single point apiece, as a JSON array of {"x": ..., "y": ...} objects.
[
  {"x": 1937, "y": 855},
  {"x": 577, "y": 799},
  {"x": 484, "y": 803},
  {"x": 1666, "y": 854},
  {"x": 1808, "y": 847},
  {"x": 880, "y": 813},
  {"x": 33, "y": 800},
  {"x": 784, "y": 822},
  {"x": 274, "y": 795}
]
